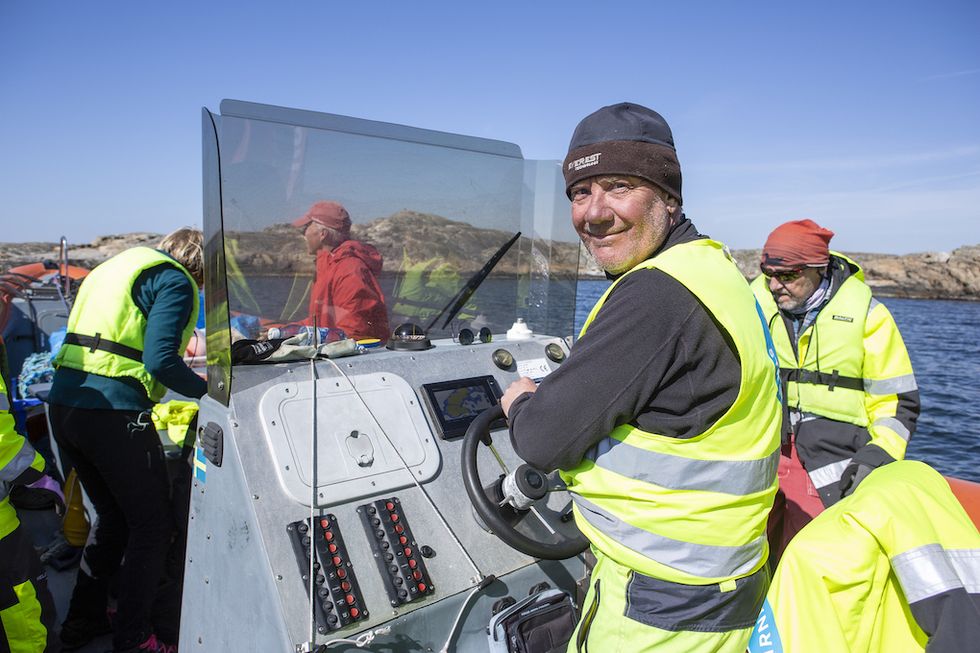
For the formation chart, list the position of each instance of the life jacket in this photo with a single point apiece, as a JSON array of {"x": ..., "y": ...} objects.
[
  {"x": 16, "y": 456},
  {"x": 691, "y": 510},
  {"x": 106, "y": 328},
  {"x": 829, "y": 376},
  {"x": 893, "y": 567}
]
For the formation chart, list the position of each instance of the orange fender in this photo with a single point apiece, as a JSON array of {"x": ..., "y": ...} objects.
[
  {"x": 38, "y": 271},
  {"x": 968, "y": 494}
]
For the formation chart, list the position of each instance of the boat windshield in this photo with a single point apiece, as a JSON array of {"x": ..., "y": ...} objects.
[{"x": 427, "y": 210}]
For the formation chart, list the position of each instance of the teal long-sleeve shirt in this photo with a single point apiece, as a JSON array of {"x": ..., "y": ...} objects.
[{"x": 165, "y": 296}]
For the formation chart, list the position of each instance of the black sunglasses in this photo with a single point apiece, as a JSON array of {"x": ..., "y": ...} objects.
[{"x": 782, "y": 276}]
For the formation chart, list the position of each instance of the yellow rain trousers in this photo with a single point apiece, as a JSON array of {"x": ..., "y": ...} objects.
[
  {"x": 26, "y": 609},
  {"x": 614, "y": 621}
]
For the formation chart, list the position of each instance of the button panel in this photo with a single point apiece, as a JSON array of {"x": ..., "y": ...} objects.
[
  {"x": 338, "y": 602},
  {"x": 395, "y": 550}
]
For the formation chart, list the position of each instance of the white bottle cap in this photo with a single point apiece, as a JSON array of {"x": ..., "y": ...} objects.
[{"x": 519, "y": 331}]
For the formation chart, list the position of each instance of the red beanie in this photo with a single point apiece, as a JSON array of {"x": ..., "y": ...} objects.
[{"x": 797, "y": 244}]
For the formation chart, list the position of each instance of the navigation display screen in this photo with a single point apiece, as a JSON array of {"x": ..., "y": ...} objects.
[{"x": 454, "y": 404}]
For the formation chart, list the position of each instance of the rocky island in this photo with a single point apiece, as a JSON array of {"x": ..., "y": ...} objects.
[{"x": 408, "y": 235}]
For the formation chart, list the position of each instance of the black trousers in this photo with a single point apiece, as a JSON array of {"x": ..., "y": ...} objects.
[{"x": 120, "y": 462}]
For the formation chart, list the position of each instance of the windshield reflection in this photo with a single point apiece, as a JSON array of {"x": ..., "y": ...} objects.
[{"x": 379, "y": 225}]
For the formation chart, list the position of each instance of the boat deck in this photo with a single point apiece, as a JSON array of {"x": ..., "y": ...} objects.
[{"x": 43, "y": 525}]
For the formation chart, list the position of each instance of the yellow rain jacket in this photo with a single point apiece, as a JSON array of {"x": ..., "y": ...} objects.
[
  {"x": 894, "y": 567},
  {"x": 848, "y": 375}
]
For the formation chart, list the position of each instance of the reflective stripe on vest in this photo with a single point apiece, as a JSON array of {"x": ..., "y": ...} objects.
[
  {"x": 930, "y": 570},
  {"x": 828, "y": 474},
  {"x": 894, "y": 386},
  {"x": 18, "y": 462},
  {"x": 709, "y": 561},
  {"x": 680, "y": 473},
  {"x": 691, "y": 510},
  {"x": 105, "y": 312}
]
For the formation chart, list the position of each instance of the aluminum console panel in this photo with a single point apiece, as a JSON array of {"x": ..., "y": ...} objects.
[{"x": 369, "y": 429}]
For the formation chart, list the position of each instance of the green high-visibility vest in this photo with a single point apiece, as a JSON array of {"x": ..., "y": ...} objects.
[
  {"x": 106, "y": 328},
  {"x": 691, "y": 510}
]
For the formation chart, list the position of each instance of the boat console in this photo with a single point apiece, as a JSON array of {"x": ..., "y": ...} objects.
[{"x": 374, "y": 499}]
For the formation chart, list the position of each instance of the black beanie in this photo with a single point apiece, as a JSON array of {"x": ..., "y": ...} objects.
[{"x": 626, "y": 139}]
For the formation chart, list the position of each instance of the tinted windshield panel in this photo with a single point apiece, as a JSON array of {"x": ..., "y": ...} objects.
[{"x": 426, "y": 211}]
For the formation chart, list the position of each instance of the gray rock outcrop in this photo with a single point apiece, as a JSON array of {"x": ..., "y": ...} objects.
[{"x": 408, "y": 235}]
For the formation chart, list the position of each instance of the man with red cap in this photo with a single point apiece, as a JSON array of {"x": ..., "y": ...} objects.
[
  {"x": 851, "y": 401},
  {"x": 346, "y": 294}
]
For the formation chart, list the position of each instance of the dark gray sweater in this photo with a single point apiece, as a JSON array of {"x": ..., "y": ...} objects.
[{"x": 653, "y": 357}]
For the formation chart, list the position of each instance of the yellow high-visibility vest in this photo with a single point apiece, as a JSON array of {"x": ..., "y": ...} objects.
[
  {"x": 108, "y": 325},
  {"x": 691, "y": 510}
]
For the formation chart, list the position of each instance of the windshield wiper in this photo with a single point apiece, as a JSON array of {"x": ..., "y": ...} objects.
[{"x": 456, "y": 303}]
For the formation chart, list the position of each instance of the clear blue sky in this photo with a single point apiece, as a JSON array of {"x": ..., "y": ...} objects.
[{"x": 864, "y": 116}]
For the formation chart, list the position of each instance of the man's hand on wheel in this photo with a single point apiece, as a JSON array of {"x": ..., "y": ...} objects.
[{"x": 515, "y": 390}]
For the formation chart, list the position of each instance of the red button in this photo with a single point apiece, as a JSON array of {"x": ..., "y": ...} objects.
[
  {"x": 394, "y": 516},
  {"x": 328, "y": 536},
  {"x": 408, "y": 552},
  {"x": 337, "y": 561},
  {"x": 422, "y": 587},
  {"x": 417, "y": 575},
  {"x": 412, "y": 563},
  {"x": 341, "y": 573},
  {"x": 402, "y": 540},
  {"x": 350, "y": 599},
  {"x": 390, "y": 506},
  {"x": 332, "y": 547},
  {"x": 345, "y": 586},
  {"x": 355, "y": 613},
  {"x": 325, "y": 523},
  {"x": 399, "y": 528}
]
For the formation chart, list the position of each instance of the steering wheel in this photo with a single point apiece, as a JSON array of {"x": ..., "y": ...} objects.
[{"x": 562, "y": 546}]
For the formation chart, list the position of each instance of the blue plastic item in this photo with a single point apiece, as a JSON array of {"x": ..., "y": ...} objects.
[
  {"x": 55, "y": 340},
  {"x": 200, "y": 311}
]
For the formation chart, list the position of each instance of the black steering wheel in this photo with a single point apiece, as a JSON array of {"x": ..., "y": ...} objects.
[{"x": 562, "y": 546}]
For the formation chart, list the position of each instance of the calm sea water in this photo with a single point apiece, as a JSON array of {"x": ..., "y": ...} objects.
[{"x": 943, "y": 339}]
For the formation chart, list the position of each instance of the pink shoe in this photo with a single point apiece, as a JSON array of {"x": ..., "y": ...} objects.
[{"x": 152, "y": 645}]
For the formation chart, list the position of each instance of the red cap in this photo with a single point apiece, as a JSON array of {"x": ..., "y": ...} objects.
[
  {"x": 797, "y": 244},
  {"x": 329, "y": 214}
]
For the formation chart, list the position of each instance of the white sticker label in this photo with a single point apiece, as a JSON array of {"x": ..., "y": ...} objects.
[{"x": 536, "y": 368}]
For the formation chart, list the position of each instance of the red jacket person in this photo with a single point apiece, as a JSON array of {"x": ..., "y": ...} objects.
[{"x": 346, "y": 294}]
